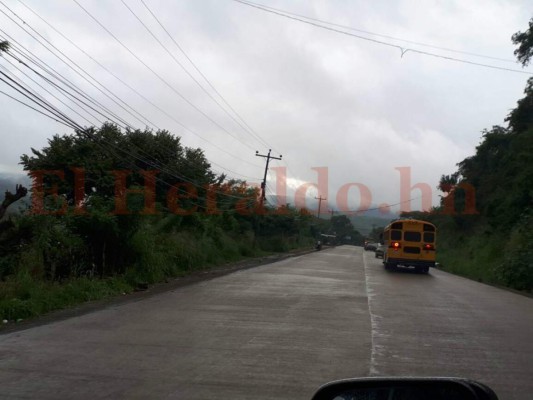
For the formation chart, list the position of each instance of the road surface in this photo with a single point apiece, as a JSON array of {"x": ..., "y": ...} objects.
[{"x": 277, "y": 332}]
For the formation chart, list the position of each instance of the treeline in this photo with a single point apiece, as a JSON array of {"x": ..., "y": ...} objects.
[
  {"x": 113, "y": 210},
  {"x": 485, "y": 218}
]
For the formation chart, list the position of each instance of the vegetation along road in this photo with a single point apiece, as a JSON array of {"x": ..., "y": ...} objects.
[{"x": 279, "y": 331}]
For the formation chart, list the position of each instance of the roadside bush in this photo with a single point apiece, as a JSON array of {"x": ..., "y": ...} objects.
[{"x": 516, "y": 270}]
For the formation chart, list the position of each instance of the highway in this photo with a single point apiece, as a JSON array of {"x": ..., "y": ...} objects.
[{"x": 278, "y": 331}]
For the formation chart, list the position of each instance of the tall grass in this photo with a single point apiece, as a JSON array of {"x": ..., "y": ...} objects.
[{"x": 158, "y": 255}]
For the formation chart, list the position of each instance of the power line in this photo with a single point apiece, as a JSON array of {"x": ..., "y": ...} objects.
[
  {"x": 33, "y": 108},
  {"x": 93, "y": 59},
  {"x": 20, "y": 61},
  {"x": 402, "y": 49},
  {"x": 250, "y": 129},
  {"x": 70, "y": 122},
  {"x": 50, "y": 93},
  {"x": 77, "y": 99},
  {"x": 65, "y": 91},
  {"x": 66, "y": 120},
  {"x": 37, "y": 100},
  {"x": 54, "y": 74},
  {"x": 71, "y": 67},
  {"x": 183, "y": 67},
  {"x": 160, "y": 77},
  {"x": 170, "y": 116},
  {"x": 381, "y": 35}
]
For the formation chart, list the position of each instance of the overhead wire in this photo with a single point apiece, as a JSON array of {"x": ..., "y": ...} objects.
[
  {"x": 74, "y": 98},
  {"x": 93, "y": 82},
  {"x": 402, "y": 49},
  {"x": 66, "y": 82},
  {"x": 35, "y": 109},
  {"x": 20, "y": 61},
  {"x": 171, "y": 87},
  {"x": 43, "y": 103},
  {"x": 53, "y": 73},
  {"x": 36, "y": 99},
  {"x": 46, "y": 90},
  {"x": 138, "y": 93},
  {"x": 184, "y": 69},
  {"x": 248, "y": 127},
  {"x": 382, "y": 35}
]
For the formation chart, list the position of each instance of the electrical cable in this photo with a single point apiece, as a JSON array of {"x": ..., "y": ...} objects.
[
  {"x": 160, "y": 77},
  {"x": 53, "y": 73},
  {"x": 136, "y": 91},
  {"x": 185, "y": 70},
  {"x": 206, "y": 79},
  {"x": 51, "y": 94},
  {"x": 67, "y": 64},
  {"x": 33, "y": 108},
  {"x": 40, "y": 102},
  {"x": 402, "y": 49},
  {"x": 381, "y": 35},
  {"x": 84, "y": 102}
]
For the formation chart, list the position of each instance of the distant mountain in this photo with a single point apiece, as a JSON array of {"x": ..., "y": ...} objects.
[{"x": 364, "y": 224}]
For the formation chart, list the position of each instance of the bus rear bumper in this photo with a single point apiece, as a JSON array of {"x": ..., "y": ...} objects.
[{"x": 410, "y": 263}]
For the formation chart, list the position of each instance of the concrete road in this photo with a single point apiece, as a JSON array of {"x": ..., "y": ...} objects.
[{"x": 279, "y": 331}]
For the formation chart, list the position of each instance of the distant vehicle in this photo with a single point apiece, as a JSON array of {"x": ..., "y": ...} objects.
[
  {"x": 380, "y": 251},
  {"x": 409, "y": 243},
  {"x": 371, "y": 246}
]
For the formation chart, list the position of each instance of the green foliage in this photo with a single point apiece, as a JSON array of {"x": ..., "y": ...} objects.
[
  {"x": 494, "y": 244},
  {"x": 4, "y": 46},
  {"x": 524, "y": 40},
  {"x": 23, "y": 297},
  {"x": 51, "y": 259},
  {"x": 516, "y": 270}
]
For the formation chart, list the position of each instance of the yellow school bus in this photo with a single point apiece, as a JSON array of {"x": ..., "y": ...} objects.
[{"x": 409, "y": 243}]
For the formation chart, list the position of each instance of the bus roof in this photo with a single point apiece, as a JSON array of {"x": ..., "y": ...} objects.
[{"x": 419, "y": 221}]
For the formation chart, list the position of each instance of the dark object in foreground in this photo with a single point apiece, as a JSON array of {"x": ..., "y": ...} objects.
[
  {"x": 10, "y": 198},
  {"x": 405, "y": 388}
]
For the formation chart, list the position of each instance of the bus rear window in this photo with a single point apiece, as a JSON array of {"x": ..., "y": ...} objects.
[
  {"x": 412, "y": 236},
  {"x": 395, "y": 235},
  {"x": 429, "y": 237},
  {"x": 429, "y": 228}
]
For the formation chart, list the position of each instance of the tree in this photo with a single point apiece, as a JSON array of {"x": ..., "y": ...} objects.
[
  {"x": 524, "y": 40},
  {"x": 343, "y": 228},
  {"x": 521, "y": 117},
  {"x": 100, "y": 152}
]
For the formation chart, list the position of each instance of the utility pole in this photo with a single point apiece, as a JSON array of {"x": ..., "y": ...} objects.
[
  {"x": 319, "y": 198},
  {"x": 263, "y": 184}
]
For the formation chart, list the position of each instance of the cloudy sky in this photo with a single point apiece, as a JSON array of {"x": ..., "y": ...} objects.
[{"x": 323, "y": 99}]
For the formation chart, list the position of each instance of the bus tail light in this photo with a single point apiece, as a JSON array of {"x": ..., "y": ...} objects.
[
  {"x": 396, "y": 245},
  {"x": 429, "y": 247}
]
